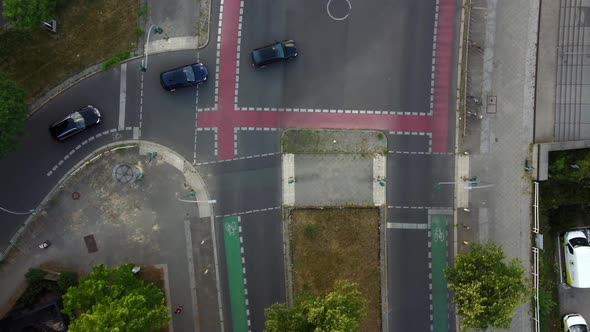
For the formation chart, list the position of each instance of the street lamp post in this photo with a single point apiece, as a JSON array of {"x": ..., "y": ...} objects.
[
  {"x": 194, "y": 195},
  {"x": 17, "y": 213},
  {"x": 158, "y": 31}
]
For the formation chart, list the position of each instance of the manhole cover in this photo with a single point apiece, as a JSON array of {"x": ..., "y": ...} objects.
[
  {"x": 124, "y": 173},
  {"x": 75, "y": 195},
  {"x": 90, "y": 243}
]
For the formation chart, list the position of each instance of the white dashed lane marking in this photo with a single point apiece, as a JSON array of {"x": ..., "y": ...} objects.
[
  {"x": 116, "y": 136},
  {"x": 240, "y": 158},
  {"x": 248, "y": 212}
]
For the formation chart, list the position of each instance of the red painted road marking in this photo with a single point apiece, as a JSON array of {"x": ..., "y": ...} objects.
[{"x": 226, "y": 118}]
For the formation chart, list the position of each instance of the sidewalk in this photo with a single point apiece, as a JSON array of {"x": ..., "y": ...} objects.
[
  {"x": 146, "y": 222},
  {"x": 505, "y": 35}
]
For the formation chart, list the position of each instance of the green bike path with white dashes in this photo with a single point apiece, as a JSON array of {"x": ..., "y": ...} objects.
[
  {"x": 439, "y": 280},
  {"x": 235, "y": 272}
]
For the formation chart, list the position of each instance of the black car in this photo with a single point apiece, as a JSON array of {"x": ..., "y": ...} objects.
[
  {"x": 278, "y": 51},
  {"x": 74, "y": 123},
  {"x": 184, "y": 76}
]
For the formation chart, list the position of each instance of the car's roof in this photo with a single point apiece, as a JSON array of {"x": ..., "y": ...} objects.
[
  {"x": 179, "y": 75},
  {"x": 574, "y": 234},
  {"x": 268, "y": 53},
  {"x": 575, "y": 319},
  {"x": 581, "y": 268}
]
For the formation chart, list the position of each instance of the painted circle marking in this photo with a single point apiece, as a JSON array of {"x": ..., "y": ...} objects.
[{"x": 342, "y": 17}]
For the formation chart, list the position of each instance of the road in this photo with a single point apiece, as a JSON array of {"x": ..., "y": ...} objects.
[{"x": 371, "y": 70}]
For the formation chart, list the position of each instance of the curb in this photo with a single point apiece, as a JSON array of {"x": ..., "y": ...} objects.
[
  {"x": 70, "y": 82},
  {"x": 164, "y": 268},
  {"x": 383, "y": 265},
  {"x": 139, "y": 52},
  {"x": 169, "y": 156},
  {"x": 199, "y": 45},
  {"x": 463, "y": 37}
]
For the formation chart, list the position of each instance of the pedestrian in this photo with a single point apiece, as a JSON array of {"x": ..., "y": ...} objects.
[{"x": 178, "y": 310}]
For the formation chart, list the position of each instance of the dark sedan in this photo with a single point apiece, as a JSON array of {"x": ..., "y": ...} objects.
[
  {"x": 184, "y": 76},
  {"x": 279, "y": 51},
  {"x": 75, "y": 123}
]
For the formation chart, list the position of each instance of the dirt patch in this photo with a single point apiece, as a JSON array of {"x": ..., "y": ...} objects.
[
  {"x": 204, "y": 22},
  {"x": 333, "y": 141},
  {"x": 338, "y": 244},
  {"x": 89, "y": 31}
]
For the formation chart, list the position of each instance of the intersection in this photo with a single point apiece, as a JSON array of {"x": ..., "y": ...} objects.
[{"x": 230, "y": 127}]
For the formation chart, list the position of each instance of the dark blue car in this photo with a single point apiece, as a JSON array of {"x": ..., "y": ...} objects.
[
  {"x": 279, "y": 51},
  {"x": 75, "y": 123},
  {"x": 184, "y": 76}
]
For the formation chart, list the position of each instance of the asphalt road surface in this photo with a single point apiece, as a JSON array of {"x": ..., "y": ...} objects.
[{"x": 379, "y": 59}]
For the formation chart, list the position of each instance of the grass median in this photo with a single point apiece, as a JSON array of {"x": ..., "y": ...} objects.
[
  {"x": 338, "y": 244},
  {"x": 89, "y": 32}
]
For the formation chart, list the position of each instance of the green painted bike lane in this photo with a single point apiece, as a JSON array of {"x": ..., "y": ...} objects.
[
  {"x": 233, "y": 256},
  {"x": 439, "y": 281}
]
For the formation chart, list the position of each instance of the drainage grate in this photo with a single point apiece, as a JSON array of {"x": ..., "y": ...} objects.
[{"x": 124, "y": 173}]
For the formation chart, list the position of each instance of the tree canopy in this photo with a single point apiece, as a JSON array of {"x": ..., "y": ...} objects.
[
  {"x": 338, "y": 311},
  {"x": 27, "y": 14},
  {"x": 13, "y": 113},
  {"x": 487, "y": 289},
  {"x": 115, "y": 300}
]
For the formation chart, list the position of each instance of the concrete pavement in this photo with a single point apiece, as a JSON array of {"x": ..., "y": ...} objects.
[
  {"x": 131, "y": 223},
  {"x": 500, "y": 146}
]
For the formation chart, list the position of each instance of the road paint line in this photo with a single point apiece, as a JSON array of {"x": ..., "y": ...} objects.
[
  {"x": 245, "y": 212},
  {"x": 122, "y": 95},
  {"x": 397, "y": 225},
  {"x": 419, "y": 207},
  {"x": 237, "y": 159}
]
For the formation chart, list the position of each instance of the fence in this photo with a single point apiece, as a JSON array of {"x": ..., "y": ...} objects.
[{"x": 536, "y": 318}]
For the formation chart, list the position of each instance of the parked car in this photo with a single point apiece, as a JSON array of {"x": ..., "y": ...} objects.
[
  {"x": 75, "y": 123},
  {"x": 279, "y": 51},
  {"x": 184, "y": 76},
  {"x": 574, "y": 323},
  {"x": 576, "y": 251}
]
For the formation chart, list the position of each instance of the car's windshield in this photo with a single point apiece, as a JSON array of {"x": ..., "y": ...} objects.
[
  {"x": 579, "y": 242},
  {"x": 578, "y": 328},
  {"x": 78, "y": 120},
  {"x": 280, "y": 52},
  {"x": 190, "y": 74}
]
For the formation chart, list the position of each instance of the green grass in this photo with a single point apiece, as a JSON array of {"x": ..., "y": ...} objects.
[
  {"x": 115, "y": 60},
  {"x": 548, "y": 280},
  {"x": 89, "y": 31},
  {"x": 344, "y": 246},
  {"x": 301, "y": 141}
]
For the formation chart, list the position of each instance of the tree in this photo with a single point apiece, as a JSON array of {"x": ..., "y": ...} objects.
[
  {"x": 572, "y": 166},
  {"x": 487, "y": 290},
  {"x": 27, "y": 14},
  {"x": 115, "y": 300},
  {"x": 339, "y": 310},
  {"x": 13, "y": 113},
  {"x": 67, "y": 280}
]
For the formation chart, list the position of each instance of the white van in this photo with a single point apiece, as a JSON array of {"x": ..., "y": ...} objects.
[{"x": 577, "y": 259}]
